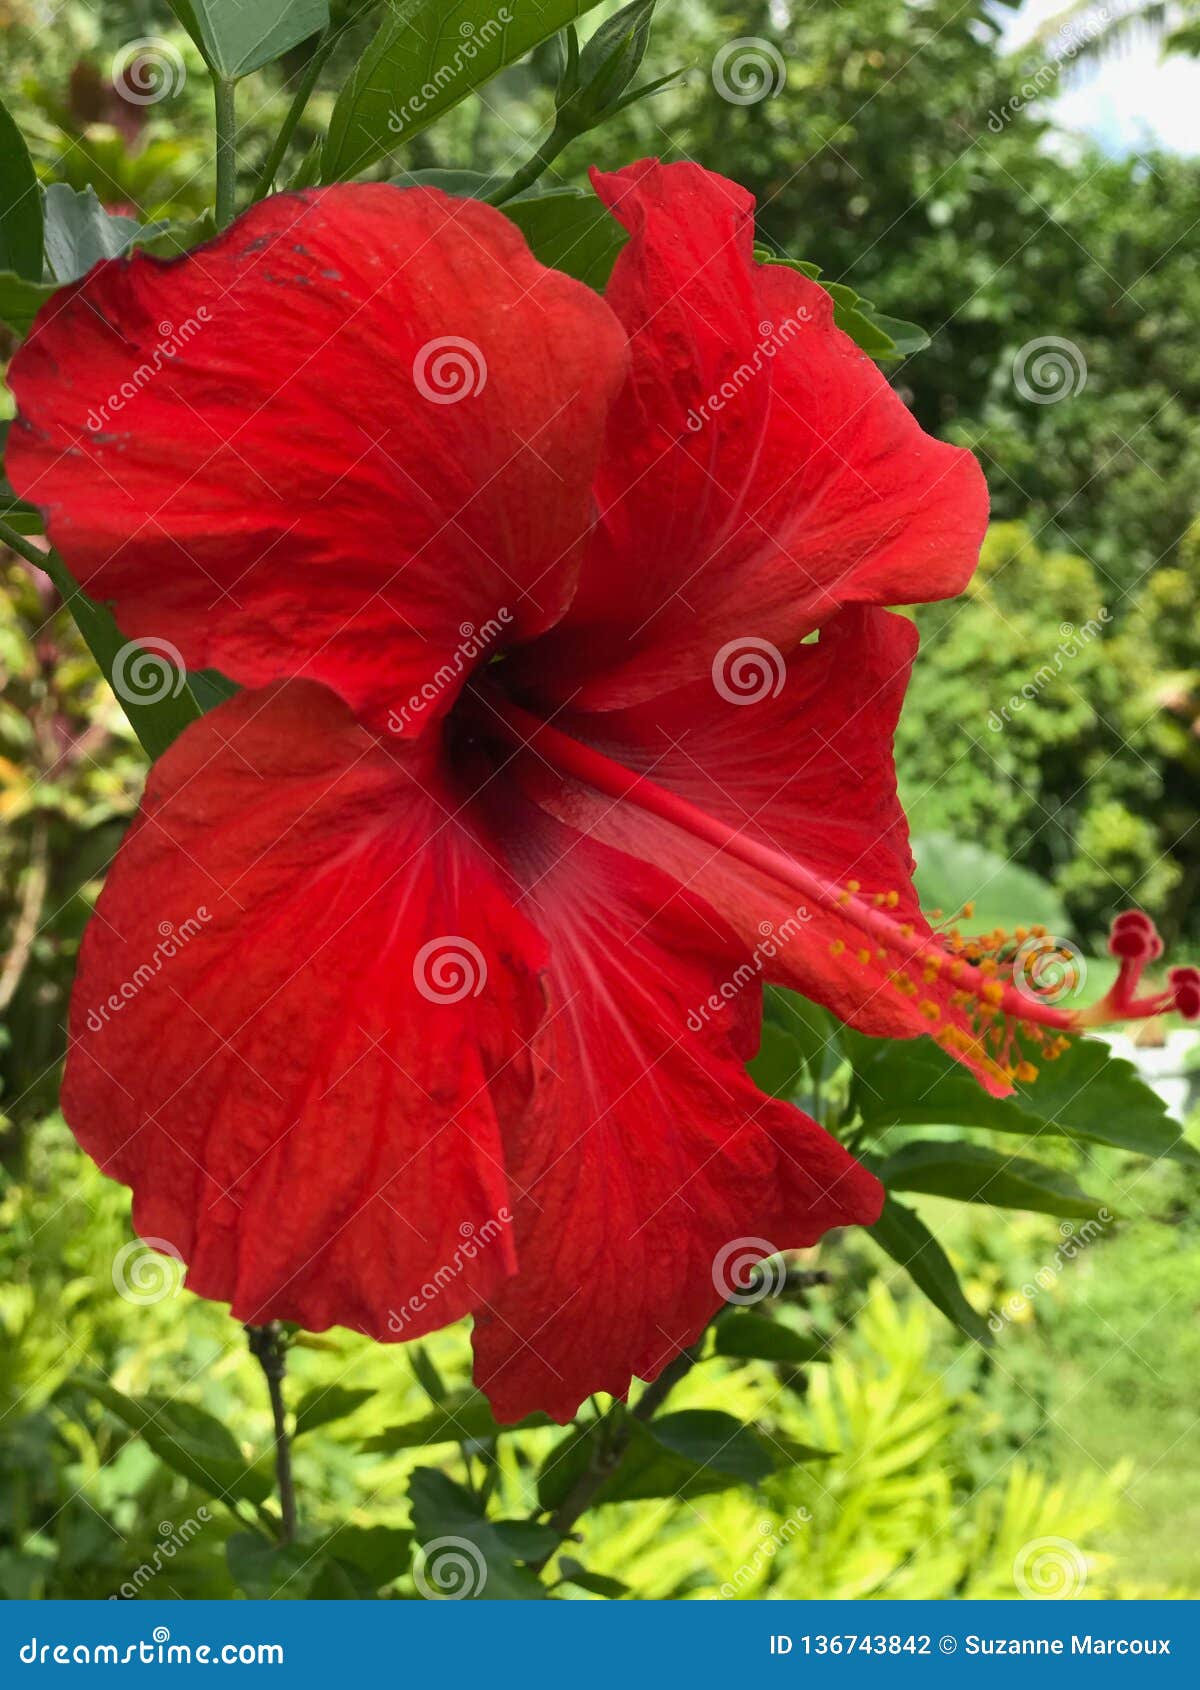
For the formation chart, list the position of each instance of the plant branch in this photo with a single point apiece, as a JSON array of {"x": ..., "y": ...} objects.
[
  {"x": 224, "y": 104},
  {"x": 534, "y": 167},
  {"x": 605, "y": 1461},
  {"x": 266, "y": 1345},
  {"x": 308, "y": 81}
]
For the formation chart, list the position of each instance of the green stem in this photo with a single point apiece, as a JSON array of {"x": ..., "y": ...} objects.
[
  {"x": 267, "y": 1347},
  {"x": 534, "y": 167},
  {"x": 19, "y": 544},
  {"x": 224, "y": 105},
  {"x": 300, "y": 99}
]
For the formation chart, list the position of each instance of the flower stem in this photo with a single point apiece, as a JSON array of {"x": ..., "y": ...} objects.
[
  {"x": 532, "y": 168},
  {"x": 224, "y": 105},
  {"x": 606, "y": 1460},
  {"x": 308, "y": 81},
  {"x": 266, "y": 1345}
]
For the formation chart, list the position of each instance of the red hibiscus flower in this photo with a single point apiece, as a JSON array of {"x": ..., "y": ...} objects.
[{"x": 426, "y": 977}]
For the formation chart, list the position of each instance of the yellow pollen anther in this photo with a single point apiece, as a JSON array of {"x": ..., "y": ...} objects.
[{"x": 837, "y": 947}]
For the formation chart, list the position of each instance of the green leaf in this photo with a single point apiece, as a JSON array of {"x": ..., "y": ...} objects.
[
  {"x": 975, "y": 1173},
  {"x": 157, "y": 724},
  {"x": 463, "y": 1417},
  {"x": 79, "y": 232},
  {"x": 383, "y": 1553},
  {"x": 20, "y": 204},
  {"x": 427, "y": 56},
  {"x": 882, "y": 338},
  {"x": 779, "y": 1067},
  {"x": 951, "y": 873},
  {"x": 814, "y": 1031},
  {"x": 236, "y": 38},
  {"x": 428, "y": 1377},
  {"x": 756, "y": 1337},
  {"x": 598, "y": 1584},
  {"x": 907, "y": 1240},
  {"x": 340, "y": 1581},
  {"x": 327, "y": 1403},
  {"x": 1085, "y": 1094},
  {"x": 268, "y": 1571},
  {"x": 570, "y": 231},
  {"x": 189, "y": 1441},
  {"x": 21, "y": 300},
  {"x": 462, "y": 1553},
  {"x": 691, "y": 1453},
  {"x": 18, "y": 513}
]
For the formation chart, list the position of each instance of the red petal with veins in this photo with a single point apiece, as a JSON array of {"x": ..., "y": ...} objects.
[
  {"x": 647, "y": 1152},
  {"x": 759, "y": 470},
  {"x": 335, "y": 442},
  {"x": 265, "y": 1046}
]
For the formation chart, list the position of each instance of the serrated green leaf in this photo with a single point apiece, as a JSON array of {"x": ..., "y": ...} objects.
[
  {"x": 236, "y": 38},
  {"x": 908, "y": 1241},
  {"x": 1085, "y": 1094},
  {"x": 975, "y": 1173},
  {"x": 20, "y": 204},
  {"x": 427, "y": 56},
  {"x": 80, "y": 233}
]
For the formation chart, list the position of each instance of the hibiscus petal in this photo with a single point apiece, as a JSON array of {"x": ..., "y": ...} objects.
[
  {"x": 271, "y": 1040},
  {"x": 802, "y": 763},
  {"x": 648, "y": 1157},
  {"x": 351, "y": 439},
  {"x": 759, "y": 470}
]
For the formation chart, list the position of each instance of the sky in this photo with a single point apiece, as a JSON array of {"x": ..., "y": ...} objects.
[{"x": 1135, "y": 98}]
